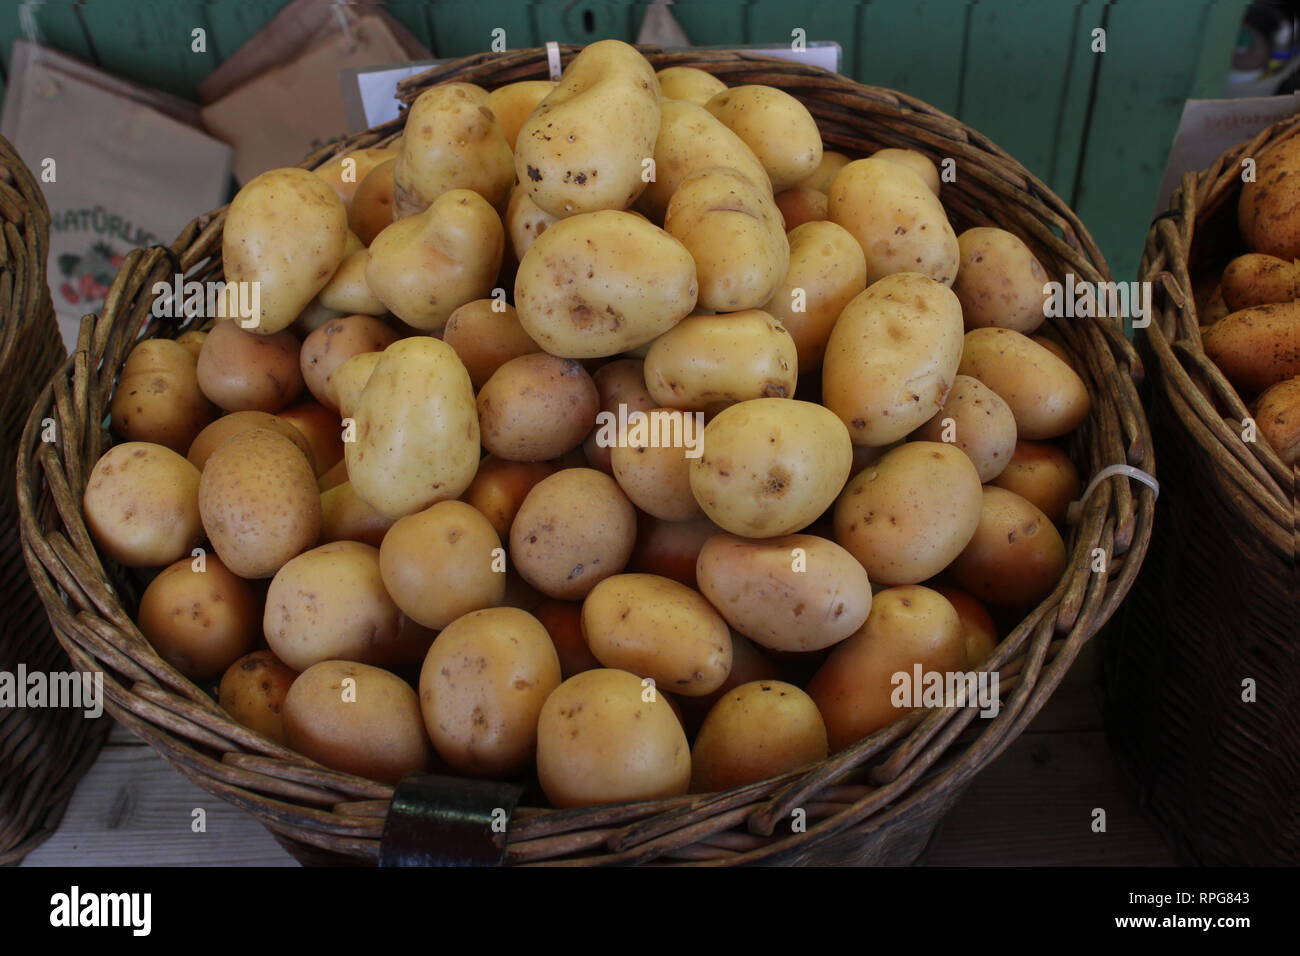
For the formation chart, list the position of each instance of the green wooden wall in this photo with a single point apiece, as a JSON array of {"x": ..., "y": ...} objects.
[{"x": 1095, "y": 127}]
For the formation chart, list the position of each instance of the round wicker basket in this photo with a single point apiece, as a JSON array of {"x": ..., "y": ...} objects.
[
  {"x": 1219, "y": 601},
  {"x": 43, "y": 751},
  {"x": 877, "y": 802}
]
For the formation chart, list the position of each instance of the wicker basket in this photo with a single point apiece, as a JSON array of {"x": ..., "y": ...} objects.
[
  {"x": 877, "y": 802},
  {"x": 1220, "y": 599},
  {"x": 43, "y": 751}
]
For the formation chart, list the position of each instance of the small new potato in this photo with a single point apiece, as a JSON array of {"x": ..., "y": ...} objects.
[
  {"x": 563, "y": 622},
  {"x": 253, "y": 690},
  {"x": 670, "y": 548},
  {"x": 500, "y": 487},
  {"x": 511, "y": 105},
  {"x": 657, "y": 628},
  {"x": 142, "y": 505},
  {"x": 358, "y": 719},
  {"x": 347, "y": 291},
  {"x": 800, "y": 205},
  {"x": 1044, "y": 476},
  {"x": 323, "y": 430},
  {"x": 482, "y": 687},
  {"x": 821, "y": 178},
  {"x": 1255, "y": 279},
  {"x": 486, "y": 334},
  {"x": 1000, "y": 282},
  {"x": 605, "y": 737},
  {"x": 708, "y": 361},
  {"x": 345, "y": 517},
  {"x": 771, "y": 466},
  {"x": 536, "y": 407},
  {"x": 574, "y": 529},
  {"x": 158, "y": 398},
  {"x": 227, "y": 426},
  {"x": 1278, "y": 416},
  {"x": 345, "y": 173},
  {"x": 1046, "y": 396},
  {"x": 1268, "y": 211},
  {"x": 199, "y": 617},
  {"x": 794, "y": 593},
  {"x": 689, "y": 84},
  {"x": 756, "y": 731},
  {"x": 918, "y": 163},
  {"x": 908, "y": 515},
  {"x": 979, "y": 422},
  {"x": 371, "y": 209},
  {"x": 977, "y": 626},
  {"x": 239, "y": 370},
  {"x": 345, "y": 384},
  {"x": 656, "y": 474},
  {"x": 1255, "y": 347},
  {"x": 525, "y": 221},
  {"x": 334, "y": 343},
  {"x": 620, "y": 384},
  {"x": 776, "y": 126},
  {"x": 1016, "y": 555}
]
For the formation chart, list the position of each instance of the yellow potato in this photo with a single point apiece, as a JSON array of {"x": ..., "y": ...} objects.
[
  {"x": 424, "y": 267},
  {"x": 193, "y": 342},
  {"x": 511, "y": 104},
  {"x": 344, "y": 385},
  {"x": 1045, "y": 395},
  {"x": 581, "y": 149},
  {"x": 604, "y": 737},
  {"x": 979, "y": 422},
  {"x": 999, "y": 282},
  {"x": 500, "y": 487},
  {"x": 347, "y": 172},
  {"x": 619, "y": 383},
  {"x": 563, "y": 622},
  {"x": 240, "y": 371},
  {"x": 417, "y": 438},
  {"x": 906, "y": 517},
  {"x": 1016, "y": 555},
  {"x": 334, "y": 343},
  {"x": 536, "y": 407},
  {"x": 486, "y": 335},
  {"x": 892, "y": 356},
  {"x": 357, "y": 719},
  {"x": 347, "y": 290},
  {"x": 227, "y": 426},
  {"x": 452, "y": 142},
  {"x": 689, "y": 84},
  {"x": 158, "y": 398},
  {"x": 770, "y": 466},
  {"x": 574, "y": 529},
  {"x": 918, "y": 163},
  {"x": 827, "y": 270},
  {"x": 826, "y": 171},
  {"x": 603, "y": 283},
  {"x": 708, "y": 361},
  {"x": 345, "y": 517},
  {"x": 670, "y": 548},
  {"x": 758, "y": 730},
  {"x": 199, "y": 617},
  {"x": 1255, "y": 279},
  {"x": 898, "y": 221},
  {"x": 1044, "y": 476},
  {"x": 525, "y": 221},
  {"x": 776, "y": 126},
  {"x": 656, "y": 475},
  {"x": 733, "y": 230},
  {"x": 253, "y": 690},
  {"x": 259, "y": 502},
  {"x": 1255, "y": 347},
  {"x": 286, "y": 230},
  {"x": 142, "y": 505},
  {"x": 978, "y": 629},
  {"x": 793, "y": 593},
  {"x": 371, "y": 209},
  {"x": 799, "y": 205},
  {"x": 323, "y": 430}
]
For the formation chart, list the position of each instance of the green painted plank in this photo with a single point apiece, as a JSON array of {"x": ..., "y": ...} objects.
[
  {"x": 712, "y": 22},
  {"x": 1220, "y": 36},
  {"x": 414, "y": 15},
  {"x": 231, "y": 23},
  {"x": 915, "y": 48},
  {"x": 149, "y": 41},
  {"x": 58, "y": 26},
  {"x": 1072, "y": 114},
  {"x": 462, "y": 27},
  {"x": 774, "y": 21},
  {"x": 585, "y": 21}
]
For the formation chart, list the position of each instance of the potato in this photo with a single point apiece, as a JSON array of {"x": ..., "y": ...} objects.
[
  {"x": 1255, "y": 347},
  {"x": 485, "y": 337},
  {"x": 563, "y": 622},
  {"x": 511, "y": 104},
  {"x": 253, "y": 690},
  {"x": 142, "y": 505},
  {"x": 1016, "y": 555},
  {"x": 192, "y": 341},
  {"x": 1056, "y": 349},
  {"x": 334, "y": 343},
  {"x": 689, "y": 84},
  {"x": 855, "y": 690},
  {"x": 906, "y": 517},
  {"x": 1045, "y": 395},
  {"x": 259, "y": 503},
  {"x": 524, "y": 222},
  {"x": 536, "y": 407},
  {"x": 371, "y": 209},
  {"x": 500, "y": 487},
  {"x": 898, "y": 221},
  {"x": 657, "y": 628},
  {"x": 758, "y": 730},
  {"x": 345, "y": 384},
  {"x": 979, "y": 422},
  {"x": 603, "y": 283},
  {"x": 776, "y": 126},
  {"x": 977, "y": 627},
  {"x": 227, "y": 426},
  {"x": 1000, "y": 282},
  {"x": 312, "y": 318},
  {"x": 442, "y": 563},
  {"x": 581, "y": 149},
  {"x": 710, "y": 361},
  {"x": 345, "y": 517},
  {"x": 670, "y": 548},
  {"x": 345, "y": 173},
  {"x": 793, "y": 593},
  {"x": 287, "y": 231},
  {"x": 334, "y": 477},
  {"x": 827, "y": 270},
  {"x": 323, "y": 430},
  {"x": 619, "y": 383},
  {"x": 240, "y": 371},
  {"x": 482, "y": 688},
  {"x": 770, "y": 466},
  {"x": 1044, "y": 476},
  {"x": 347, "y": 291},
  {"x": 604, "y": 737},
  {"x": 1255, "y": 279},
  {"x": 453, "y": 142},
  {"x": 425, "y": 266},
  {"x": 158, "y": 399},
  {"x": 656, "y": 475},
  {"x": 1278, "y": 417},
  {"x": 417, "y": 438},
  {"x": 799, "y": 205},
  {"x": 919, "y": 163},
  {"x": 574, "y": 529},
  {"x": 199, "y": 617},
  {"x": 821, "y": 178},
  {"x": 1268, "y": 212},
  {"x": 735, "y": 234},
  {"x": 357, "y": 719},
  {"x": 892, "y": 357},
  {"x": 748, "y": 663},
  {"x": 690, "y": 139}
]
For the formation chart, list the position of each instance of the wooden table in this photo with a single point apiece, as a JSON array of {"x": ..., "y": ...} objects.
[{"x": 1033, "y": 806}]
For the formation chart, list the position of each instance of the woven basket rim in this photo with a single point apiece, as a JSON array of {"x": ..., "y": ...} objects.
[{"x": 923, "y": 773}]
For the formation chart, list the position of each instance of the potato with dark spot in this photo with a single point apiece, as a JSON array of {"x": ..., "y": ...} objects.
[
  {"x": 242, "y": 371},
  {"x": 486, "y": 334},
  {"x": 228, "y": 426},
  {"x": 979, "y": 422},
  {"x": 1016, "y": 556},
  {"x": 999, "y": 281},
  {"x": 1268, "y": 211},
  {"x": 1256, "y": 347},
  {"x": 482, "y": 687},
  {"x": 1255, "y": 279},
  {"x": 142, "y": 505},
  {"x": 525, "y": 221},
  {"x": 199, "y": 617},
  {"x": 1044, "y": 476},
  {"x": 358, "y": 719},
  {"x": 536, "y": 407},
  {"x": 253, "y": 690},
  {"x": 574, "y": 529},
  {"x": 758, "y": 730},
  {"x": 158, "y": 398},
  {"x": 334, "y": 343}
]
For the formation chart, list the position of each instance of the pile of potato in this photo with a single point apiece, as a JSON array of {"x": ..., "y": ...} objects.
[
  {"x": 405, "y": 486},
  {"x": 1250, "y": 314}
]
